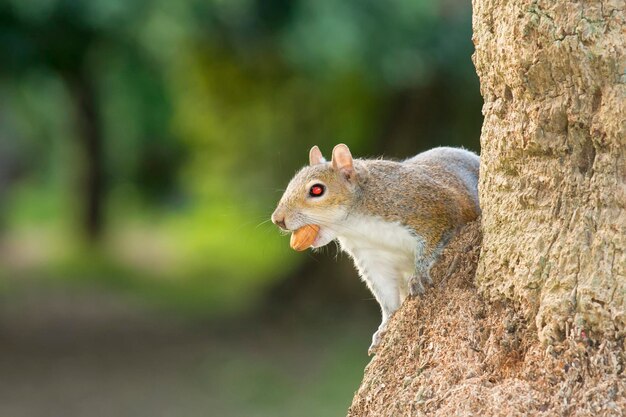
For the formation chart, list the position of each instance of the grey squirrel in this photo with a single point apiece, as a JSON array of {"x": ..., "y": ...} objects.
[{"x": 392, "y": 218}]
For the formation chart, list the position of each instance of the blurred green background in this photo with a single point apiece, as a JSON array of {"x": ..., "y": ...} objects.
[{"x": 143, "y": 146}]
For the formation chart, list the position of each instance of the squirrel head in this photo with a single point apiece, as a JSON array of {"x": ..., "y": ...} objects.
[{"x": 321, "y": 193}]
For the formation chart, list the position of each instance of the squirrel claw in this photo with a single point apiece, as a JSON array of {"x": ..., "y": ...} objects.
[
  {"x": 428, "y": 280},
  {"x": 376, "y": 339},
  {"x": 416, "y": 287},
  {"x": 371, "y": 351}
]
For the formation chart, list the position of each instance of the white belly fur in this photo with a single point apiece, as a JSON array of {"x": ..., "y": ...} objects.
[{"x": 384, "y": 253}]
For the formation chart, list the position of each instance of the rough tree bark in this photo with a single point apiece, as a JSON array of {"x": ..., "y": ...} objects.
[
  {"x": 553, "y": 160},
  {"x": 552, "y": 340}
]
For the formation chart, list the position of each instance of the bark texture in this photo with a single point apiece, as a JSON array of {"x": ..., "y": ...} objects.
[
  {"x": 553, "y": 194},
  {"x": 453, "y": 354},
  {"x": 553, "y": 161}
]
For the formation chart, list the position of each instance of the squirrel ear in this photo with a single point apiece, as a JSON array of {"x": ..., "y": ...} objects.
[
  {"x": 315, "y": 156},
  {"x": 342, "y": 161}
]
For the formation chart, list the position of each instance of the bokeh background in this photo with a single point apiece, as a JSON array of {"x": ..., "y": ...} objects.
[{"x": 143, "y": 146}]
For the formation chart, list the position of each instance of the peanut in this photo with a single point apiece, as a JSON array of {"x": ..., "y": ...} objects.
[{"x": 304, "y": 237}]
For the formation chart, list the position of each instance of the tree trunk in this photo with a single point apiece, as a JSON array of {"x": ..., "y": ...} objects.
[
  {"x": 552, "y": 340},
  {"x": 89, "y": 135},
  {"x": 553, "y": 160}
]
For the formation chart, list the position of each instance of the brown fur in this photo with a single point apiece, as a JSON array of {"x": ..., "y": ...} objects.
[{"x": 422, "y": 193}]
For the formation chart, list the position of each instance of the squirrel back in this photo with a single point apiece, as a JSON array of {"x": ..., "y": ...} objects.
[{"x": 433, "y": 193}]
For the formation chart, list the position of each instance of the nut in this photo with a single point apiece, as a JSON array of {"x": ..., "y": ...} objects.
[{"x": 304, "y": 237}]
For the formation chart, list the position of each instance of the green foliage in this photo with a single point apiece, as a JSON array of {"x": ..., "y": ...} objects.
[{"x": 206, "y": 108}]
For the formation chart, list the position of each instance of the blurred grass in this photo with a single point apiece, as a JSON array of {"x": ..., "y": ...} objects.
[
  {"x": 201, "y": 261},
  {"x": 323, "y": 386},
  {"x": 85, "y": 351},
  {"x": 199, "y": 295}
]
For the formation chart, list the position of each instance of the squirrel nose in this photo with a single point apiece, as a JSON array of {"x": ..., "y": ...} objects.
[{"x": 279, "y": 221}]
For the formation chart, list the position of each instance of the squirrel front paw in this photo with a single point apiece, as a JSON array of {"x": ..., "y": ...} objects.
[
  {"x": 376, "y": 339},
  {"x": 416, "y": 284}
]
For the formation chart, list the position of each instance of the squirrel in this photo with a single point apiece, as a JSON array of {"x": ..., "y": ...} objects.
[{"x": 392, "y": 217}]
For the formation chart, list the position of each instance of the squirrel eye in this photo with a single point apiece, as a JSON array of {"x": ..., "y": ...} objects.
[{"x": 316, "y": 190}]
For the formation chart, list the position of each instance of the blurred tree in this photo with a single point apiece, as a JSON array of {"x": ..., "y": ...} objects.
[
  {"x": 75, "y": 41},
  {"x": 61, "y": 40},
  {"x": 189, "y": 116}
]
